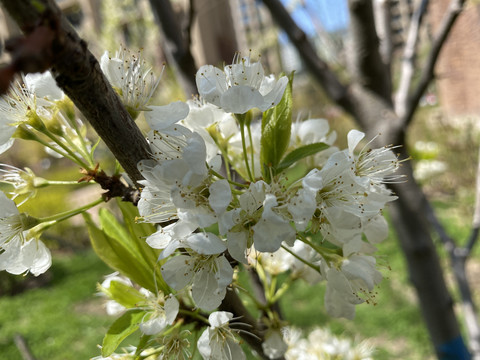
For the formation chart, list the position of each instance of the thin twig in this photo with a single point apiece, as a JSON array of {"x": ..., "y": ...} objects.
[
  {"x": 22, "y": 346},
  {"x": 454, "y": 9},
  {"x": 319, "y": 69},
  {"x": 408, "y": 59}
]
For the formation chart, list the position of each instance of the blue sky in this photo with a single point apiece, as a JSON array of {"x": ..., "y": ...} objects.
[{"x": 329, "y": 15}]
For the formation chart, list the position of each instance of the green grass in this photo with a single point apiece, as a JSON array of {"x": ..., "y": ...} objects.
[{"x": 65, "y": 319}]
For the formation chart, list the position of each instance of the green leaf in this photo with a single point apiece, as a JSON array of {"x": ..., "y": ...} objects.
[
  {"x": 124, "y": 294},
  {"x": 124, "y": 326},
  {"x": 119, "y": 257},
  {"x": 139, "y": 232},
  {"x": 300, "y": 153},
  {"x": 276, "y": 129}
]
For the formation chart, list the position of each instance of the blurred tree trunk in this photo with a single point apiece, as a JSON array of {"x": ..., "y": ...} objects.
[{"x": 369, "y": 99}]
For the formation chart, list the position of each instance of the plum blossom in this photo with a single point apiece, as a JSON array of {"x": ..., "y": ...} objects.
[
  {"x": 21, "y": 251},
  {"x": 240, "y": 87},
  {"x": 351, "y": 283},
  {"x": 202, "y": 266},
  {"x": 218, "y": 341},
  {"x": 161, "y": 311},
  {"x": 131, "y": 77},
  {"x": 15, "y": 108}
]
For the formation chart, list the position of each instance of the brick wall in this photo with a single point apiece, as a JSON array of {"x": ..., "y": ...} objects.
[{"x": 458, "y": 69}]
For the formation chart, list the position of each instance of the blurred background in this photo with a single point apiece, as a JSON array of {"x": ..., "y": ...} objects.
[{"x": 59, "y": 315}]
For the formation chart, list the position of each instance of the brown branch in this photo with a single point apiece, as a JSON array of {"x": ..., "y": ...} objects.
[
  {"x": 319, "y": 69},
  {"x": 368, "y": 67},
  {"x": 78, "y": 73},
  {"x": 454, "y": 9},
  {"x": 176, "y": 49},
  {"x": 408, "y": 59}
]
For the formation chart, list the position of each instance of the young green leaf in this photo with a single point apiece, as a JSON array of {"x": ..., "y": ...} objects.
[
  {"x": 124, "y": 294},
  {"x": 300, "y": 153},
  {"x": 276, "y": 129},
  {"x": 124, "y": 326},
  {"x": 119, "y": 257}
]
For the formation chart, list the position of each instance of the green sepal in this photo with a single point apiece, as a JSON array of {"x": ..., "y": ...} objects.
[
  {"x": 276, "y": 129},
  {"x": 121, "y": 328},
  {"x": 300, "y": 153},
  {"x": 123, "y": 294}
]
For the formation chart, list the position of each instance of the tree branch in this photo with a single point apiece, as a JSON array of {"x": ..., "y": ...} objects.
[
  {"x": 476, "y": 214},
  {"x": 408, "y": 59},
  {"x": 176, "y": 49},
  {"x": 427, "y": 74},
  {"x": 383, "y": 21},
  {"x": 367, "y": 66},
  {"x": 78, "y": 73},
  {"x": 319, "y": 69}
]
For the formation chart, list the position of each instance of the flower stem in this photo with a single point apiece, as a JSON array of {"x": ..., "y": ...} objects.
[
  {"x": 245, "y": 154},
  {"x": 68, "y": 214},
  {"x": 309, "y": 264}
]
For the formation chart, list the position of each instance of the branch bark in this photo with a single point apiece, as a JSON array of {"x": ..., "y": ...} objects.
[
  {"x": 319, "y": 69},
  {"x": 367, "y": 65},
  {"x": 176, "y": 48},
  {"x": 78, "y": 74}
]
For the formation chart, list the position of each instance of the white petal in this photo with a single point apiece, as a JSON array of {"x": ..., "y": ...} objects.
[
  {"x": 203, "y": 344},
  {"x": 36, "y": 257},
  {"x": 7, "y": 206},
  {"x": 206, "y": 243},
  {"x": 275, "y": 96},
  {"x": 195, "y": 154},
  {"x": 210, "y": 83},
  {"x": 354, "y": 137},
  {"x": 162, "y": 117},
  {"x": 43, "y": 85},
  {"x": 171, "y": 309},
  {"x": 178, "y": 271},
  {"x": 240, "y": 99},
  {"x": 237, "y": 245},
  {"x": 153, "y": 326},
  {"x": 220, "y": 196},
  {"x": 219, "y": 318},
  {"x": 205, "y": 291},
  {"x": 376, "y": 229},
  {"x": 272, "y": 229},
  {"x": 113, "y": 69}
]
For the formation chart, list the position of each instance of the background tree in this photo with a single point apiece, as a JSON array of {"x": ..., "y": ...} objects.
[{"x": 380, "y": 109}]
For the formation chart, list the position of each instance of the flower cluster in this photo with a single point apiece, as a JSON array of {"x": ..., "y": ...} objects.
[{"x": 231, "y": 184}]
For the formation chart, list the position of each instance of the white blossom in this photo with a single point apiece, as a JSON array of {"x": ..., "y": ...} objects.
[
  {"x": 218, "y": 341},
  {"x": 22, "y": 252},
  {"x": 161, "y": 311},
  {"x": 202, "y": 266},
  {"x": 131, "y": 77},
  {"x": 240, "y": 87}
]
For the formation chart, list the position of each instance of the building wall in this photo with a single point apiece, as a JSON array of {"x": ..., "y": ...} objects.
[{"x": 458, "y": 69}]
